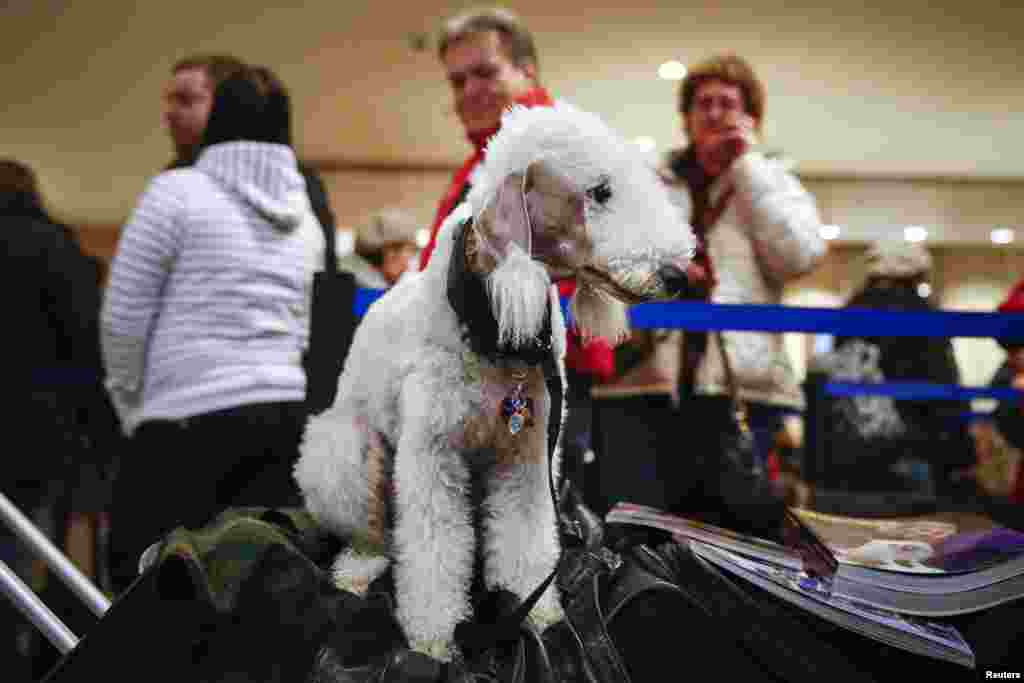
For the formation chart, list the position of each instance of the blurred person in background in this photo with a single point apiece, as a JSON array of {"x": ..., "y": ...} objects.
[
  {"x": 757, "y": 229},
  {"x": 491, "y": 63},
  {"x": 60, "y": 426},
  {"x": 205, "y": 321},
  {"x": 384, "y": 248},
  {"x": 898, "y": 273},
  {"x": 188, "y": 99},
  {"x": 930, "y": 443}
]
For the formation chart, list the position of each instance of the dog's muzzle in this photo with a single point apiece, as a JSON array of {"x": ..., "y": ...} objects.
[
  {"x": 674, "y": 277},
  {"x": 647, "y": 276}
]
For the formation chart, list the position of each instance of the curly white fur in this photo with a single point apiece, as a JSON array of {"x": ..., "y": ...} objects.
[
  {"x": 518, "y": 290},
  {"x": 411, "y": 386}
]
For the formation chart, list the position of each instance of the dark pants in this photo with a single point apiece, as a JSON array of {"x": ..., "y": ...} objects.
[
  {"x": 576, "y": 432},
  {"x": 765, "y": 422},
  {"x": 184, "y": 472},
  {"x": 700, "y": 477},
  {"x": 652, "y": 454}
]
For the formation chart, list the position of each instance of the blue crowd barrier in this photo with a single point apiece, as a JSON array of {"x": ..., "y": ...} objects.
[
  {"x": 902, "y": 391},
  {"x": 699, "y": 316},
  {"x": 845, "y": 322}
]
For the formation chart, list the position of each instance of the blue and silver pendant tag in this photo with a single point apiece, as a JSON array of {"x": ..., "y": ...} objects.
[{"x": 517, "y": 410}]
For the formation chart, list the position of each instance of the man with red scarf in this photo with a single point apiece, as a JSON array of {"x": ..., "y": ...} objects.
[{"x": 491, "y": 64}]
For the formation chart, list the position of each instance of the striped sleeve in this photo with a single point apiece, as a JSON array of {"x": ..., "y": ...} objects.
[{"x": 145, "y": 254}]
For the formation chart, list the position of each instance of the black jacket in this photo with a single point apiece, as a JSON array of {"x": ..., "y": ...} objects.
[
  {"x": 54, "y": 371},
  {"x": 937, "y": 427},
  {"x": 912, "y": 359},
  {"x": 53, "y": 303}
]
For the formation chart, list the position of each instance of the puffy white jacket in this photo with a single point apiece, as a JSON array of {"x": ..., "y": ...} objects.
[
  {"x": 209, "y": 299},
  {"x": 768, "y": 235}
]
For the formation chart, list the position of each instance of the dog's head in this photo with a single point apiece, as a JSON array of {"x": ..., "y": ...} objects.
[{"x": 560, "y": 195}]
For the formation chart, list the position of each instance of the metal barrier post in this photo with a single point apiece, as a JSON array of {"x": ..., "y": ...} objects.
[
  {"x": 29, "y": 604},
  {"x": 64, "y": 568}
]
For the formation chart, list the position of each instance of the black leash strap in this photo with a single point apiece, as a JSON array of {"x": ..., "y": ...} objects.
[{"x": 477, "y": 638}]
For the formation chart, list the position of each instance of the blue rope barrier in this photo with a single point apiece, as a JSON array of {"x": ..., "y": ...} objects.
[
  {"x": 845, "y": 322},
  {"x": 902, "y": 391}
]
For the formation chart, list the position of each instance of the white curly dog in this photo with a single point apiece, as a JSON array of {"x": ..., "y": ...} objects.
[{"x": 444, "y": 393}]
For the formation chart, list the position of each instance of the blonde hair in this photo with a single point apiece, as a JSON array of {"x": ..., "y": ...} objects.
[{"x": 516, "y": 40}]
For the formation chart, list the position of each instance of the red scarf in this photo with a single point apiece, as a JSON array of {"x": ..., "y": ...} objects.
[
  {"x": 535, "y": 97},
  {"x": 595, "y": 358}
]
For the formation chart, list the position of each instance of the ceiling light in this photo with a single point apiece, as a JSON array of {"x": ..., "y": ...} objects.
[
  {"x": 924, "y": 290},
  {"x": 1002, "y": 236},
  {"x": 829, "y": 232},
  {"x": 646, "y": 143},
  {"x": 672, "y": 71},
  {"x": 915, "y": 233},
  {"x": 422, "y": 237},
  {"x": 344, "y": 242}
]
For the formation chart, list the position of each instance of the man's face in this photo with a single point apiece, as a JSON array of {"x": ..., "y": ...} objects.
[
  {"x": 484, "y": 81},
  {"x": 187, "y": 103},
  {"x": 1015, "y": 359},
  {"x": 397, "y": 259},
  {"x": 716, "y": 106}
]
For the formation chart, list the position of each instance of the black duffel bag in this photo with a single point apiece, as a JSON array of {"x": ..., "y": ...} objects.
[{"x": 250, "y": 599}]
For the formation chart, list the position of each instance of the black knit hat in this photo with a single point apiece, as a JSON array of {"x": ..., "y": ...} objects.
[{"x": 253, "y": 106}]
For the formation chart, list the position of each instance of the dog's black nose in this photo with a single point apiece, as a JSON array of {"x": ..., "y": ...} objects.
[{"x": 675, "y": 279}]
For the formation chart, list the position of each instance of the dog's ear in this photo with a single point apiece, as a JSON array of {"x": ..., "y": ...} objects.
[{"x": 505, "y": 221}]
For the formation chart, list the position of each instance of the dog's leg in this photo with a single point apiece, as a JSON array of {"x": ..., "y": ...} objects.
[
  {"x": 433, "y": 537},
  {"x": 522, "y": 538},
  {"x": 332, "y": 470},
  {"x": 339, "y": 475},
  {"x": 369, "y": 555}
]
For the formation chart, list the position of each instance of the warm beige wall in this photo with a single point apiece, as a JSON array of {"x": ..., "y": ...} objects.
[
  {"x": 962, "y": 212},
  {"x": 914, "y": 87},
  {"x": 355, "y": 193}
]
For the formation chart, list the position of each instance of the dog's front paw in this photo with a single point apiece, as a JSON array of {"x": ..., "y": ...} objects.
[
  {"x": 354, "y": 571},
  {"x": 547, "y": 611},
  {"x": 439, "y": 649}
]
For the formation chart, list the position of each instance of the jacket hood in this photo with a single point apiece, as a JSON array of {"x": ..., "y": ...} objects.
[{"x": 263, "y": 175}]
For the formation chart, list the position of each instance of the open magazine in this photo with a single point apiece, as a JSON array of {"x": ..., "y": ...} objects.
[
  {"x": 883, "y": 563},
  {"x": 927, "y": 638},
  {"x": 931, "y": 554}
]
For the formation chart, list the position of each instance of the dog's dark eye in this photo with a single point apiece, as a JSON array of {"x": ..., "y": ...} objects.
[{"x": 600, "y": 193}]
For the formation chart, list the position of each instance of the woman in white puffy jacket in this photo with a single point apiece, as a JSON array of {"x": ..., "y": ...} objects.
[
  {"x": 757, "y": 227},
  {"x": 204, "y": 324}
]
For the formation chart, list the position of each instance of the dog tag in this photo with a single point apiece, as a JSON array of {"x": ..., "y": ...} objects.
[{"x": 517, "y": 410}]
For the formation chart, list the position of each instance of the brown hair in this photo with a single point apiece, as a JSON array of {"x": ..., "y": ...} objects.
[
  {"x": 217, "y": 67},
  {"x": 19, "y": 188},
  {"x": 730, "y": 69},
  {"x": 516, "y": 41}
]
